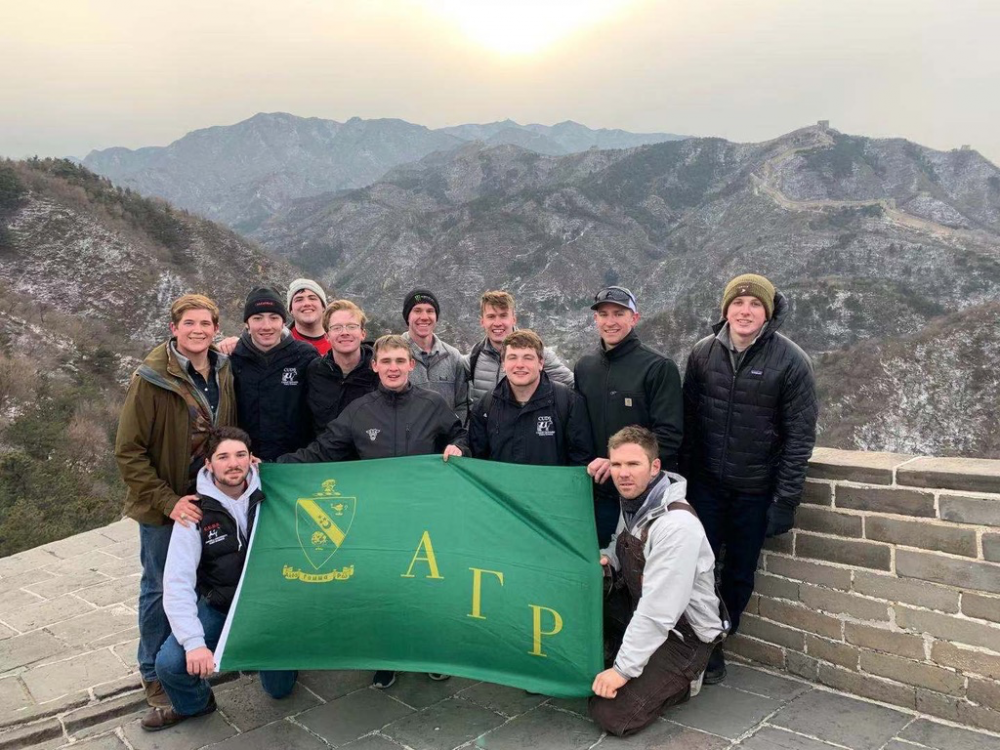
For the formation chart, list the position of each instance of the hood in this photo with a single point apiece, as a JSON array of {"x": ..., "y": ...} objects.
[
  {"x": 671, "y": 489},
  {"x": 206, "y": 486}
]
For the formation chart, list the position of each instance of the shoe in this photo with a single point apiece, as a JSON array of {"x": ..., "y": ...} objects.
[
  {"x": 438, "y": 676},
  {"x": 383, "y": 679},
  {"x": 164, "y": 718},
  {"x": 715, "y": 672},
  {"x": 155, "y": 696},
  {"x": 696, "y": 684}
]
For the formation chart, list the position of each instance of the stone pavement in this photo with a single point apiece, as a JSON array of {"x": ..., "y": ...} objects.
[{"x": 67, "y": 679}]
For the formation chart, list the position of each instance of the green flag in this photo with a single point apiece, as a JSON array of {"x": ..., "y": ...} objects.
[{"x": 471, "y": 568}]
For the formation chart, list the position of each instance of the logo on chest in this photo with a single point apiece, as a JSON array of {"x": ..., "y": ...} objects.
[
  {"x": 290, "y": 376},
  {"x": 213, "y": 534},
  {"x": 545, "y": 428},
  {"x": 373, "y": 433}
]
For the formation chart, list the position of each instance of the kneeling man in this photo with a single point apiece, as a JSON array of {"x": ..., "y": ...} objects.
[
  {"x": 662, "y": 616},
  {"x": 204, "y": 563}
]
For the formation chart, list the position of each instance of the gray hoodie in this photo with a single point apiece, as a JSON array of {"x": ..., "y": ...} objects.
[
  {"x": 180, "y": 575},
  {"x": 678, "y": 578}
]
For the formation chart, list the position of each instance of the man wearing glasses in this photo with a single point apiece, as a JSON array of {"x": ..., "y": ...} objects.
[
  {"x": 624, "y": 382},
  {"x": 345, "y": 372}
]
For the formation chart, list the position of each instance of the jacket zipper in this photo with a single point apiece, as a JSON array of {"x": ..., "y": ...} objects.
[{"x": 729, "y": 408}]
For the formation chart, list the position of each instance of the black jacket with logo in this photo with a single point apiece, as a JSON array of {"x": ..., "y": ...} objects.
[
  {"x": 223, "y": 550},
  {"x": 752, "y": 429},
  {"x": 550, "y": 430},
  {"x": 632, "y": 384},
  {"x": 386, "y": 424},
  {"x": 271, "y": 395},
  {"x": 330, "y": 391}
]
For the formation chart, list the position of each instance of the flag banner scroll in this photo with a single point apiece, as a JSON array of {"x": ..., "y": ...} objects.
[{"x": 471, "y": 568}]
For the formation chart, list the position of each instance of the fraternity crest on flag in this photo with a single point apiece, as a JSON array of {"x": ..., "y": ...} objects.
[{"x": 322, "y": 523}]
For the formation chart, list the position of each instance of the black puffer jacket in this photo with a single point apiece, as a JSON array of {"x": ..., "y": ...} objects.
[
  {"x": 752, "y": 430},
  {"x": 330, "y": 391},
  {"x": 223, "y": 550},
  {"x": 386, "y": 424},
  {"x": 271, "y": 395},
  {"x": 550, "y": 430}
]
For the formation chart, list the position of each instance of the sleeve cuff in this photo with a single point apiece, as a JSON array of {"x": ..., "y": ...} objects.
[{"x": 192, "y": 643}]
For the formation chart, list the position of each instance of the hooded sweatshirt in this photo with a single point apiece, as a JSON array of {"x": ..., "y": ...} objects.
[
  {"x": 180, "y": 575},
  {"x": 678, "y": 577}
]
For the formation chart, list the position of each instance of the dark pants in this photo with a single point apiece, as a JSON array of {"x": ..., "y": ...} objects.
[
  {"x": 607, "y": 511},
  {"x": 735, "y": 524}
]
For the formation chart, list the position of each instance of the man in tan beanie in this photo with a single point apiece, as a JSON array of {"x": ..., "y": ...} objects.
[{"x": 750, "y": 413}]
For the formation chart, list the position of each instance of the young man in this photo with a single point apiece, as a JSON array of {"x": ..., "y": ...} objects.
[
  {"x": 345, "y": 372},
  {"x": 306, "y": 301},
  {"x": 662, "y": 615},
  {"x": 496, "y": 316},
  {"x": 203, "y": 569},
  {"x": 526, "y": 418},
  {"x": 270, "y": 371},
  {"x": 182, "y": 390},
  {"x": 625, "y": 382},
  {"x": 397, "y": 419},
  {"x": 440, "y": 367},
  {"x": 750, "y": 413}
]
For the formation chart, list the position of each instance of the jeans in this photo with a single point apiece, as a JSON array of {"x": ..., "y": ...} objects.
[
  {"x": 189, "y": 694},
  {"x": 153, "y": 625},
  {"x": 737, "y": 522}
]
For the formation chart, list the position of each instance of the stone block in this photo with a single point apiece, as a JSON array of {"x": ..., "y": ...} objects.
[
  {"x": 89, "y": 720},
  {"x": 867, "y": 686},
  {"x": 964, "y": 574},
  {"x": 772, "y": 738},
  {"x": 991, "y": 547},
  {"x": 842, "y": 720},
  {"x": 13, "y": 696},
  {"x": 32, "y": 735},
  {"x": 418, "y": 691},
  {"x": 353, "y": 715},
  {"x": 817, "y": 493},
  {"x": 832, "y": 651},
  {"x": 22, "y": 650},
  {"x": 802, "y": 665},
  {"x": 116, "y": 639},
  {"x": 205, "y": 730},
  {"x": 56, "y": 586},
  {"x": 506, "y": 701},
  {"x": 443, "y": 726},
  {"x": 46, "y": 613},
  {"x": 828, "y": 522},
  {"x": 801, "y": 570},
  {"x": 246, "y": 705},
  {"x": 23, "y": 580},
  {"x": 983, "y": 607},
  {"x": 284, "y": 734},
  {"x": 892, "y": 589},
  {"x": 723, "y": 711},
  {"x": 6, "y": 632},
  {"x": 25, "y": 561},
  {"x": 117, "y": 687},
  {"x": 966, "y": 659},
  {"x": 784, "y": 543},
  {"x": 886, "y": 641},
  {"x": 932, "y": 536},
  {"x": 751, "y": 680},
  {"x": 912, "y": 672},
  {"x": 544, "y": 727},
  {"x": 901, "y": 502},
  {"x": 112, "y": 592},
  {"x": 963, "y": 474},
  {"x": 802, "y": 618},
  {"x": 845, "y": 551},
  {"x": 96, "y": 560},
  {"x": 943, "y": 737},
  {"x": 90, "y": 627},
  {"x": 948, "y": 628},
  {"x": 756, "y": 650},
  {"x": 839, "y": 603},
  {"x": 854, "y": 466},
  {"x": 128, "y": 651},
  {"x": 77, "y": 544},
  {"x": 665, "y": 735},
  {"x": 984, "y": 692},
  {"x": 975, "y": 510},
  {"x": 61, "y": 678},
  {"x": 36, "y": 711},
  {"x": 333, "y": 684},
  {"x": 977, "y": 716},
  {"x": 775, "y": 587},
  {"x": 121, "y": 531},
  {"x": 937, "y": 704},
  {"x": 105, "y": 742},
  {"x": 772, "y": 633}
]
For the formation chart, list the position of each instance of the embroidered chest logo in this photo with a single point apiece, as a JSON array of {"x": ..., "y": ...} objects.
[
  {"x": 212, "y": 535},
  {"x": 289, "y": 376},
  {"x": 544, "y": 428},
  {"x": 373, "y": 433}
]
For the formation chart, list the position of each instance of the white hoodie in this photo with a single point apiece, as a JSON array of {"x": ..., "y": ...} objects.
[{"x": 180, "y": 575}]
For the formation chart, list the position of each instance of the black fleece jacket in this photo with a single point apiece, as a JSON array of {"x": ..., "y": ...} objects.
[{"x": 330, "y": 391}]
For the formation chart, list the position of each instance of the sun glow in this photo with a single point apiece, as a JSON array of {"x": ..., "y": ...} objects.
[{"x": 523, "y": 27}]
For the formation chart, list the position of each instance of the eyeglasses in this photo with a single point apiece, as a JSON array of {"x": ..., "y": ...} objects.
[
  {"x": 615, "y": 294},
  {"x": 349, "y": 327}
]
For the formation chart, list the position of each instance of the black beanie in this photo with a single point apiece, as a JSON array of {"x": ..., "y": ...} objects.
[
  {"x": 264, "y": 299},
  {"x": 416, "y": 297}
]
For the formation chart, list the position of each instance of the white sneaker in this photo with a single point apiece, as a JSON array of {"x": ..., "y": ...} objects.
[{"x": 696, "y": 684}]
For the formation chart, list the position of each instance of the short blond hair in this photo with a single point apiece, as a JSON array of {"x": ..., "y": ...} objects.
[
  {"x": 640, "y": 436},
  {"x": 188, "y": 302},
  {"x": 523, "y": 339},
  {"x": 499, "y": 299},
  {"x": 343, "y": 304},
  {"x": 392, "y": 341}
]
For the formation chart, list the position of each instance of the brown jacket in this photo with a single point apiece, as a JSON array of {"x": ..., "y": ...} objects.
[{"x": 153, "y": 447}]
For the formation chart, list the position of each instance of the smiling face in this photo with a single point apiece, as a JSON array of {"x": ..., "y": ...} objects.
[
  {"x": 422, "y": 321},
  {"x": 522, "y": 366},
  {"x": 307, "y": 308},
  {"x": 393, "y": 366},
  {"x": 614, "y": 323},
  {"x": 498, "y": 323},
  {"x": 631, "y": 469},
  {"x": 229, "y": 464},
  {"x": 746, "y": 315},
  {"x": 194, "y": 332},
  {"x": 345, "y": 332},
  {"x": 265, "y": 330}
]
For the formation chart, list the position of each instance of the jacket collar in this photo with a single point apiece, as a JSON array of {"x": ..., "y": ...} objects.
[
  {"x": 671, "y": 488},
  {"x": 543, "y": 393},
  {"x": 627, "y": 344}
]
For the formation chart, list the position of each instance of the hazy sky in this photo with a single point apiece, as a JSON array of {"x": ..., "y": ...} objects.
[{"x": 84, "y": 74}]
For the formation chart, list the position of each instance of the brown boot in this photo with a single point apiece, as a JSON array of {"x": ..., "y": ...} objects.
[
  {"x": 155, "y": 696},
  {"x": 164, "y": 718}
]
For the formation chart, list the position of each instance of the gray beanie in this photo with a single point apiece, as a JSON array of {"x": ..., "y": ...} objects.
[{"x": 299, "y": 284}]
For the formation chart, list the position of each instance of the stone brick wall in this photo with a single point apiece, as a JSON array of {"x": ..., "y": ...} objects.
[{"x": 889, "y": 585}]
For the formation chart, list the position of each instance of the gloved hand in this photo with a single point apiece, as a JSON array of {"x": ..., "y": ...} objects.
[{"x": 780, "y": 518}]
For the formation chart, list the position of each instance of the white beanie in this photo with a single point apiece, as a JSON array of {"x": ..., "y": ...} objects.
[{"x": 299, "y": 284}]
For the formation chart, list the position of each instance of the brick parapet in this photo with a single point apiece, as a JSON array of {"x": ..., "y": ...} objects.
[{"x": 889, "y": 586}]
